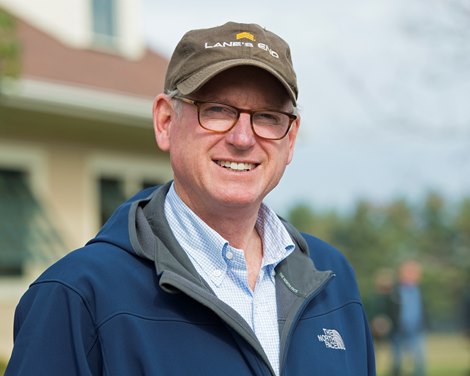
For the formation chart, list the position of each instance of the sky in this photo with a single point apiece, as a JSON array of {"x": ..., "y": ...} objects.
[{"x": 384, "y": 88}]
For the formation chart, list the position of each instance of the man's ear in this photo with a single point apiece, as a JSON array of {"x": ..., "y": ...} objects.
[{"x": 163, "y": 116}]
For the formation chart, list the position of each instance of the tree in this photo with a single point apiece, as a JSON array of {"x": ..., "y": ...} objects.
[
  {"x": 9, "y": 46},
  {"x": 461, "y": 224},
  {"x": 436, "y": 234}
]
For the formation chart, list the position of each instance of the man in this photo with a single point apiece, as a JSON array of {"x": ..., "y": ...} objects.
[
  {"x": 199, "y": 277},
  {"x": 408, "y": 319},
  {"x": 466, "y": 309}
]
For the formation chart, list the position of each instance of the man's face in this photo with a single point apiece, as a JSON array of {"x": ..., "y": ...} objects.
[{"x": 199, "y": 158}]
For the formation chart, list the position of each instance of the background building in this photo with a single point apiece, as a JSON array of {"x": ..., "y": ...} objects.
[{"x": 76, "y": 132}]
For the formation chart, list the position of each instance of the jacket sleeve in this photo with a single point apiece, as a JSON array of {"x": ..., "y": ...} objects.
[{"x": 54, "y": 334}]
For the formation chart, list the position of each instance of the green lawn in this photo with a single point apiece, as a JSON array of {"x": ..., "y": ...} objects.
[{"x": 446, "y": 355}]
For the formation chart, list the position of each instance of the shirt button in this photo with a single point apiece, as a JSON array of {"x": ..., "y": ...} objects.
[
  {"x": 229, "y": 255},
  {"x": 217, "y": 273}
]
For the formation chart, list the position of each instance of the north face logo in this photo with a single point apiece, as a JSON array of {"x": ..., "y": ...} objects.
[{"x": 332, "y": 339}]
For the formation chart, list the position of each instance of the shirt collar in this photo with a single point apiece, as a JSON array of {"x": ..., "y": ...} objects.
[{"x": 208, "y": 249}]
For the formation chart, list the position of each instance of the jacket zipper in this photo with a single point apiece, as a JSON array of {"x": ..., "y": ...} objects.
[{"x": 299, "y": 313}]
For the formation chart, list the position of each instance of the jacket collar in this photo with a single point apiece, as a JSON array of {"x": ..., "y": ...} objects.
[{"x": 153, "y": 239}]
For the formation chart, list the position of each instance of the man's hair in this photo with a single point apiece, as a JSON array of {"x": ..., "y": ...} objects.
[{"x": 174, "y": 101}]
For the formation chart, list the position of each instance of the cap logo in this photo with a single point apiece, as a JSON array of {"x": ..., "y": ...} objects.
[
  {"x": 246, "y": 35},
  {"x": 240, "y": 43}
]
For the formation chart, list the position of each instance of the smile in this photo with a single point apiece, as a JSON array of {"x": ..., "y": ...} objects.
[{"x": 236, "y": 166}]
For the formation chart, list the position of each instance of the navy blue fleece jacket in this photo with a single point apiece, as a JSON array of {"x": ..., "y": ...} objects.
[{"x": 131, "y": 303}]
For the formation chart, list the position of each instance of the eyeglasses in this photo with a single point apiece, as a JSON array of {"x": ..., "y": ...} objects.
[{"x": 221, "y": 118}]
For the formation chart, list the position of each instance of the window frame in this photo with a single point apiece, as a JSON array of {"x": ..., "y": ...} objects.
[{"x": 107, "y": 15}]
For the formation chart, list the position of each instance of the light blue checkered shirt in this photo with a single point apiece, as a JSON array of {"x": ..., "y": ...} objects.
[{"x": 223, "y": 267}]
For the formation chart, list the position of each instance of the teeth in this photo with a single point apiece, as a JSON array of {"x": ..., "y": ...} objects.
[{"x": 237, "y": 166}]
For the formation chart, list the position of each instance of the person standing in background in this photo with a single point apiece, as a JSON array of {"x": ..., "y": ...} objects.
[
  {"x": 408, "y": 320},
  {"x": 466, "y": 310}
]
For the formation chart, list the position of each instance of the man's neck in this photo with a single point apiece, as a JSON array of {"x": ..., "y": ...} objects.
[
  {"x": 235, "y": 224},
  {"x": 238, "y": 227},
  {"x": 241, "y": 233}
]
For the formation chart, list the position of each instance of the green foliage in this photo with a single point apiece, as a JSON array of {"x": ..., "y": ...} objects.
[
  {"x": 461, "y": 225},
  {"x": 9, "y": 46},
  {"x": 375, "y": 237}
]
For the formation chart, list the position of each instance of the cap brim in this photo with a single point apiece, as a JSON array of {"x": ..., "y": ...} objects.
[{"x": 198, "y": 79}]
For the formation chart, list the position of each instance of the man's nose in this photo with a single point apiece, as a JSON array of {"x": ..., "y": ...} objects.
[{"x": 242, "y": 135}]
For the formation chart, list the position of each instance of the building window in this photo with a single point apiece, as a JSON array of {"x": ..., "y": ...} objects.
[
  {"x": 112, "y": 195},
  {"x": 14, "y": 226},
  {"x": 115, "y": 191},
  {"x": 104, "y": 22},
  {"x": 118, "y": 177},
  {"x": 26, "y": 233}
]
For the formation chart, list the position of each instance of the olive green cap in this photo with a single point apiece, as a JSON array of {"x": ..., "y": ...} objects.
[{"x": 201, "y": 54}]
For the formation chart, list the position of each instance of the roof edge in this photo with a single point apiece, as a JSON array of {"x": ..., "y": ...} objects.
[{"x": 54, "y": 97}]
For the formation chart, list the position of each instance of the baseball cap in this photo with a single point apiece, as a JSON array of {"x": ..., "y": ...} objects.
[{"x": 203, "y": 53}]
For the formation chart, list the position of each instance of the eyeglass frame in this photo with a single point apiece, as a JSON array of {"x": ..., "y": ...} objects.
[{"x": 292, "y": 116}]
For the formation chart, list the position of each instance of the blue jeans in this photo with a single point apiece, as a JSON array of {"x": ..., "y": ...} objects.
[{"x": 411, "y": 344}]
